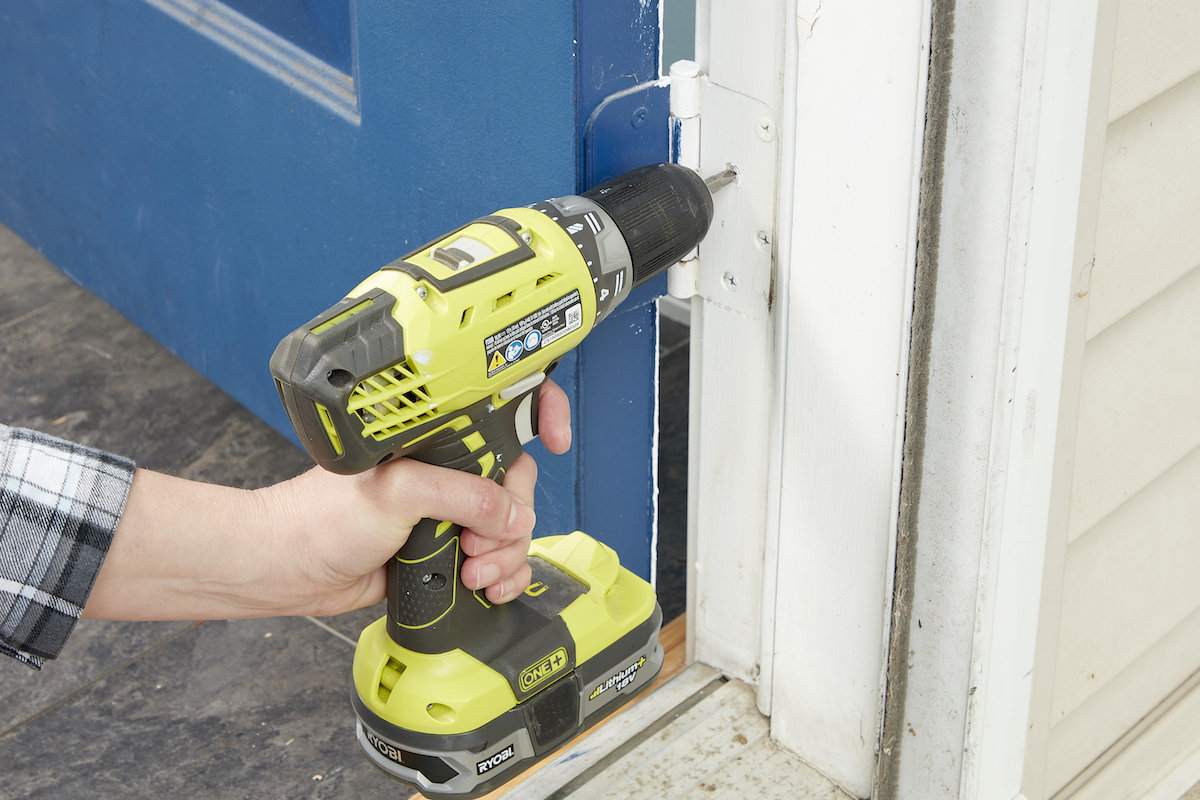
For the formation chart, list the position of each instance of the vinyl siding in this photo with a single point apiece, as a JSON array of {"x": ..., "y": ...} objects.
[{"x": 1129, "y": 633}]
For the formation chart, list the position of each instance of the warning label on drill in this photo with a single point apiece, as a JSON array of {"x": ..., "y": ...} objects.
[{"x": 541, "y": 328}]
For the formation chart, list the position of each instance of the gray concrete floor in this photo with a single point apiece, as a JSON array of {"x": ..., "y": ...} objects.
[{"x": 251, "y": 708}]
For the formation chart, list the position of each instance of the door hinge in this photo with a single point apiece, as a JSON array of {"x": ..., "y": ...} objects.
[{"x": 714, "y": 129}]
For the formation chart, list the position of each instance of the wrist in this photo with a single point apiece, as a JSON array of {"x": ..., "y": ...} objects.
[{"x": 183, "y": 550}]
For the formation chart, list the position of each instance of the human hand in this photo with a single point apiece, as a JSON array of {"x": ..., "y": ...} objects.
[{"x": 313, "y": 545}]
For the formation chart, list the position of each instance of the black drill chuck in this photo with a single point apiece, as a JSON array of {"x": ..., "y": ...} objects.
[{"x": 662, "y": 210}]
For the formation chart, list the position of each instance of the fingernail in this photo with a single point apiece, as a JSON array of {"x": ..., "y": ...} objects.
[{"x": 487, "y": 575}]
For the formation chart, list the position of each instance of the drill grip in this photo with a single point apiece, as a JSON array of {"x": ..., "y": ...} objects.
[{"x": 428, "y": 604}]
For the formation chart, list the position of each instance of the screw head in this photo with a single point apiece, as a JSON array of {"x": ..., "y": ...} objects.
[
  {"x": 765, "y": 128},
  {"x": 639, "y": 117},
  {"x": 729, "y": 281},
  {"x": 422, "y": 292}
]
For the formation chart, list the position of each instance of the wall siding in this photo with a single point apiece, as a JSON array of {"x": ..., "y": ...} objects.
[{"x": 1129, "y": 633}]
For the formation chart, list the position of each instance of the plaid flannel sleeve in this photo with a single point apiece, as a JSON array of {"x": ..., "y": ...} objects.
[{"x": 59, "y": 505}]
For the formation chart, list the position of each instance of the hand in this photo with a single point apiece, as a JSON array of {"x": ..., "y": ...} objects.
[
  {"x": 498, "y": 563},
  {"x": 313, "y": 545}
]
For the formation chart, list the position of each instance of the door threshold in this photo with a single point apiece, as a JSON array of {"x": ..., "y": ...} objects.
[
  {"x": 699, "y": 735},
  {"x": 694, "y": 734}
]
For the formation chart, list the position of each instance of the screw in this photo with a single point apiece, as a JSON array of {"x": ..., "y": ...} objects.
[
  {"x": 763, "y": 240},
  {"x": 639, "y": 118},
  {"x": 422, "y": 292},
  {"x": 765, "y": 129},
  {"x": 729, "y": 282},
  {"x": 526, "y": 237}
]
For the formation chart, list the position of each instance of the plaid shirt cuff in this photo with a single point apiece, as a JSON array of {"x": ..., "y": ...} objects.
[{"x": 59, "y": 505}]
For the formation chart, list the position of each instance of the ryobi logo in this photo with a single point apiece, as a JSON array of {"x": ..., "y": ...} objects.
[
  {"x": 495, "y": 761},
  {"x": 550, "y": 665},
  {"x": 385, "y": 749}
]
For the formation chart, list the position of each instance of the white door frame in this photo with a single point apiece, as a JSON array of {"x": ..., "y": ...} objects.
[
  {"x": 798, "y": 418},
  {"x": 1024, "y": 117},
  {"x": 797, "y": 415}
]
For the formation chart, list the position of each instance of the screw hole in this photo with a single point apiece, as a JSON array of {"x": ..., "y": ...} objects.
[
  {"x": 339, "y": 378},
  {"x": 434, "y": 581}
]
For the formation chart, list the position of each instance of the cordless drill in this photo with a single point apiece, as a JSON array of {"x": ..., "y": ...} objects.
[{"x": 439, "y": 357}]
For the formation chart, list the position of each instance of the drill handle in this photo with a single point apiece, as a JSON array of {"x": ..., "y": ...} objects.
[{"x": 427, "y": 600}]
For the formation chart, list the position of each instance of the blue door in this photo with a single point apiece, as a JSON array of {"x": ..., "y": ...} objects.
[{"x": 221, "y": 172}]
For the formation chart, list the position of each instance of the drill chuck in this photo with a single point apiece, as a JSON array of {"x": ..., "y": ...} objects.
[{"x": 662, "y": 210}]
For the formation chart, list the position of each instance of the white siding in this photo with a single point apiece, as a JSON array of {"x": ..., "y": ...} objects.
[
  {"x": 1158, "y": 46},
  {"x": 1129, "y": 633},
  {"x": 1146, "y": 234}
]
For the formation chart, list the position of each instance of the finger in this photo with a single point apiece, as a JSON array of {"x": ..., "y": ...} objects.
[
  {"x": 554, "y": 418},
  {"x": 520, "y": 480},
  {"x": 496, "y": 567},
  {"x": 509, "y": 586},
  {"x": 415, "y": 490}
]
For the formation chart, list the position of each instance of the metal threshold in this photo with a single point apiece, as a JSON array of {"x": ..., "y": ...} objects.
[{"x": 697, "y": 735}]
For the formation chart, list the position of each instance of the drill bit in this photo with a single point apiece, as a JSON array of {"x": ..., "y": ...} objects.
[{"x": 721, "y": 179}]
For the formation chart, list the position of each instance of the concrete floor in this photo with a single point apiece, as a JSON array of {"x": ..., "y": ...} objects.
[{"x": 252, "y": 708}]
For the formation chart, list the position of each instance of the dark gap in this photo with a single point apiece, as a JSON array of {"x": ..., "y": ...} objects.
[{"x": 671, "y": 574}]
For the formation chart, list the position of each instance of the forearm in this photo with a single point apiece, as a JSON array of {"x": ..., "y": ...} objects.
[
  {"x": 312, "y": 545},
  {"x": 187, "y": 550}
]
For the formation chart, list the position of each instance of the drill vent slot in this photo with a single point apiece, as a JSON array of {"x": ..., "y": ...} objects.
[
  {"x": 501, "y": 301},
  {"x": 391, "y": 402},
  {"x": 391, "y": 673},
  {"x": 542, "y": 281}
]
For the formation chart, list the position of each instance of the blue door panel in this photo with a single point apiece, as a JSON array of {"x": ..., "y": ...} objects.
[
  {"x": 617, "y": 398},
  {"x": 618, "y": 50},
  {"x": 323, "y": 28},
  {"x": 219, "y": 208}
]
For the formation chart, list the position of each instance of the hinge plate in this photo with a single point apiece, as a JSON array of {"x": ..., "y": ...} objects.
[{"x": 733, "y": 268}]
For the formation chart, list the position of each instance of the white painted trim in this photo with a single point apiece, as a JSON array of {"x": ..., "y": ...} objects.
[
  {"x": 1044, "y": 345},
  {"x": 778, "y": 422},
  {"x": 855, "y": 97},
  {"x": 1015, "y": 226},
  {"x": 731, "y": 342},
  {"x": 972, "y": 403},
  {"x": 832, "y": 433},
  {"x": 1072, "y": 123}
]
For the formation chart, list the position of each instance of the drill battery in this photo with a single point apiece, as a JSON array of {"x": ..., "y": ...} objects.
[{"x": 588, "y": 643}]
